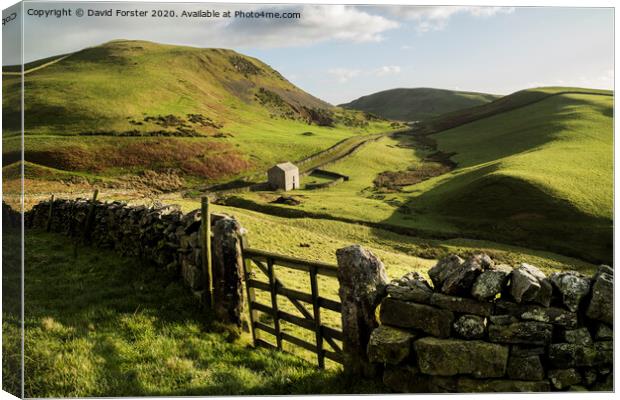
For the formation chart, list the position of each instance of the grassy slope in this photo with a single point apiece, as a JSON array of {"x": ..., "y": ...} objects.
[
  {"x": 417, "y": 104},
  {"x": 102, "y": 325},
  {"x": 105, "y": 88},
  {"x": 538, "y": 174},
  {"x": 546, "y": 168}
]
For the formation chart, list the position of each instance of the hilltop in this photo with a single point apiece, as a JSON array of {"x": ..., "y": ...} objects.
[
  {"x": 117, "y": 86},
  {"x": 418, "y": 103},
  {"x": 127, "y": 106}
]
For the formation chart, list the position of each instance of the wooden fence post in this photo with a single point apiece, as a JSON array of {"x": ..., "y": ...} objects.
[
  {"x": 50, "y": 215},
  {"x": 247, "y": 275},
  {"x": 228, "y": 272},
  {"x": 90, "y": 217},
  {"x": 362, "y": 281},
  {"x": 205, "y": 238}
]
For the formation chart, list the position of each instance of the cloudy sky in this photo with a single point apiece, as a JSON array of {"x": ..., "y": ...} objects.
[{"x": 339, "y": 53}]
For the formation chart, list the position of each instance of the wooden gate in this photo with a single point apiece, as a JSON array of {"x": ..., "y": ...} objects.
[{"x": 305, "y": 319}]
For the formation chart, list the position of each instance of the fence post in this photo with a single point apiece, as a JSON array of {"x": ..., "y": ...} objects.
[
  {"x": 247, "y": 275},
  {"x": 228, "y": 272},
  {"x": 90, "y": 217},
  {"x": 50, "y": 215},
  {"x": 362, "y": 280},
  {"x": 205, "y": 237}
]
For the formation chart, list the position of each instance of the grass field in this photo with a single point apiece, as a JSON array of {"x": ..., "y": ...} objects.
[
  {"x": 418, "y": 103},
  {"x": 539, "y": 175},
  {"x": 102, "y": 325}
]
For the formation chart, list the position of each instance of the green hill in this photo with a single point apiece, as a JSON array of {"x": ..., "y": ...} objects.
[
  {"x": 126, "y": 106},
  {"x": 536, "y": 166},
  {"x": 534, "y": 169},
  {"x": 417, "y": 104}
]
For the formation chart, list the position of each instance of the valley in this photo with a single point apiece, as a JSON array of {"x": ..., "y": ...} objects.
[{"x": 509, "y": 170}]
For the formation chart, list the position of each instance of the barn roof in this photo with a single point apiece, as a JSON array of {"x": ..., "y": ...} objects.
[{"x": 286, "y": 166}]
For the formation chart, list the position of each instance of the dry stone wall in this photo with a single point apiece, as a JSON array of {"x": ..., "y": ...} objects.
[
  {"x": 483, "y": 327},
  {"x": 162, "y": 235}
]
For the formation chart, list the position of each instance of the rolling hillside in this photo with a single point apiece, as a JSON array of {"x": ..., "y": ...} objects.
[
  {"x": 417, "y": 104},
  {"x": 534, "y": 168},
  {"x": 543, "y": 167},
  {"x": 127, "y": 106}
]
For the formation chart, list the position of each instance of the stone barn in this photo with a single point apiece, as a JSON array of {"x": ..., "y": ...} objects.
[{"x": 284, "y": 176}]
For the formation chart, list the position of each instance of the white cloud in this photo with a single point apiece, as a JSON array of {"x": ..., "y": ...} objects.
[
  {"x": 318, "y": 23},
  {"x": 436, "y": 18},
  {"x": 343, "y": 75},
  {"x": 604, "y": 80},
  {"x": 388, "y": 70}
]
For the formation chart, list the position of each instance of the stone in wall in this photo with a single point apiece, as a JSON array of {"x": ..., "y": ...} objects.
[
  {"x": 428, "y": 319},
  {"x": 577, "y": 336},
  {"x": 192, "y": 276},
  {"x": 578, "y": 355},
  {"x": 601, "y": 304},
  {"x": 573, "y": 286},
  {"x": 526, "y": 350},
  {"x": 461, "y": 304},
  {"x": 530, "y": 332},
  {"x": 447, "y": 357},
  {"x": 589, "y": 376},
  {"x": 530, "y": 312},
  {"x": 529, "y": 284},
  {"x": 470, "y": 326},
  {"x": 461, "y": 280},
  {"x": 490, "y": 283},
  {"x": 389, "y": 345},
  {"x": 525, "y": 368},
  {"x": 444, "y": 268},
  {"x": 563, "y": 378},
  {"x": 604, "y": 332},
  {"x": 411, "y": 287},
  {"x": 503, "y": 319}
]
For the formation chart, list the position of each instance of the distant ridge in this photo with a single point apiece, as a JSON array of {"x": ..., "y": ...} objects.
[{"x": 417, "y": 103}]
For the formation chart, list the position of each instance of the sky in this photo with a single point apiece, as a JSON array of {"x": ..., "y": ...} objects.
[{"x": 339, "y": 53}]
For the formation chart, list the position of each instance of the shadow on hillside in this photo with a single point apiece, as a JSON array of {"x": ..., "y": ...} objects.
[{"x": 496, "y": 207}]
